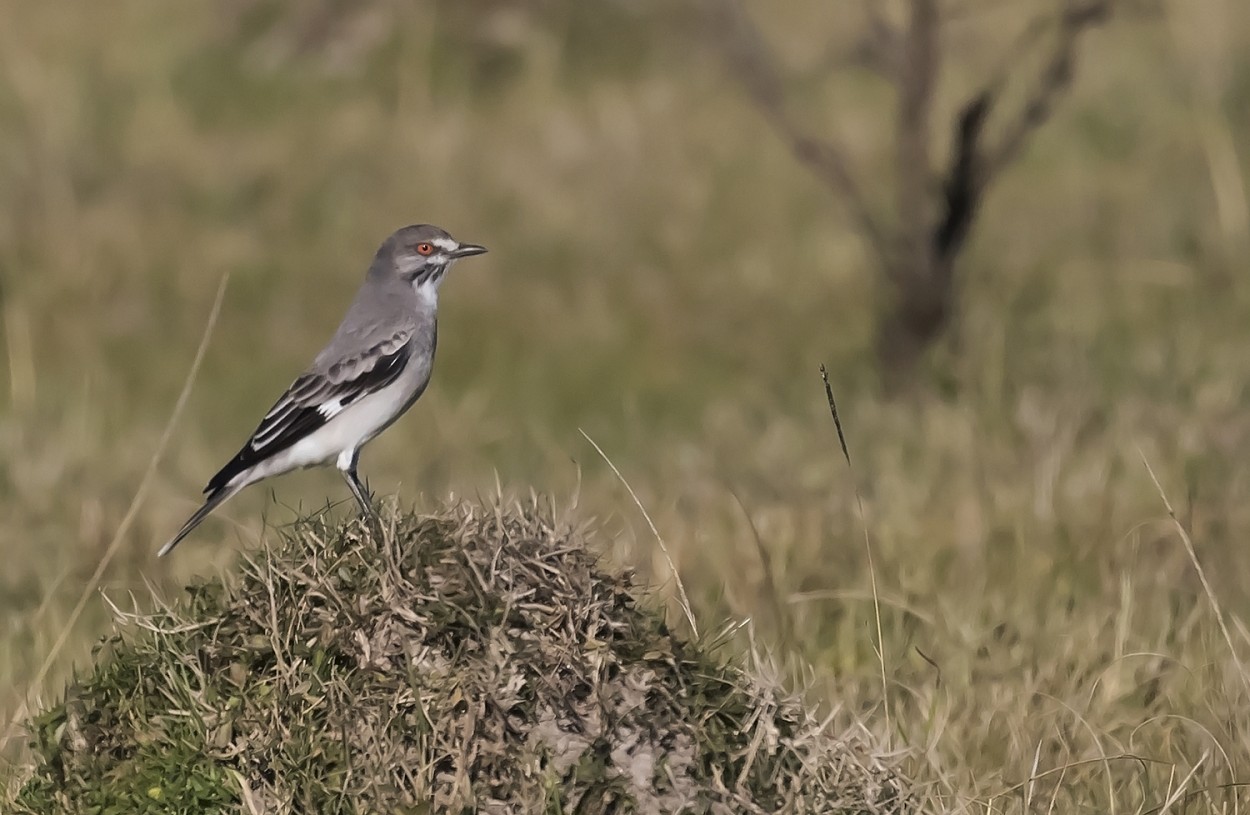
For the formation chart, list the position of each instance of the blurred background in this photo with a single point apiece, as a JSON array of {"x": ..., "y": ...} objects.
[{"x": 1015, "y": 232}]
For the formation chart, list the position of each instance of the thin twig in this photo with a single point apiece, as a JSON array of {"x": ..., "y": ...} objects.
[
  {"x": 131, "y": 513},
  {"x": 681, "y": 589},
  {"x": 863, "y": 520}
]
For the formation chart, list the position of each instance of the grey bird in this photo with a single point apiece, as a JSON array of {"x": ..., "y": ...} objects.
[{"x": 373, "y": 369}]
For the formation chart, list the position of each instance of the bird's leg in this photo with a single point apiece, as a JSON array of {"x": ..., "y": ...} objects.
[{"x": 347, "y": 466}]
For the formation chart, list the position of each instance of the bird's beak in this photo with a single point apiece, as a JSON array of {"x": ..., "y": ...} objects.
[{"x": 465, "y": 250}]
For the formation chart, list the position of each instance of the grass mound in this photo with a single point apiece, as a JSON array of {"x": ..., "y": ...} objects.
[{"x": 478, "y": 661}]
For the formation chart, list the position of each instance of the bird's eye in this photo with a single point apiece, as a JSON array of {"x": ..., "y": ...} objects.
[{"x": 424, "y": 248}]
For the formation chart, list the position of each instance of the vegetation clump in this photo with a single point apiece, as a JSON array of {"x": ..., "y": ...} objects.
[{"x": 479, "y": 660}]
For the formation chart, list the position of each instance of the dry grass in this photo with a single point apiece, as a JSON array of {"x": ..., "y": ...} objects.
[{"x": 666, "y": 278}]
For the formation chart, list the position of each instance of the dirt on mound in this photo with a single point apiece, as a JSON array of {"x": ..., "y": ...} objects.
[{"x": 477, "y": 661}]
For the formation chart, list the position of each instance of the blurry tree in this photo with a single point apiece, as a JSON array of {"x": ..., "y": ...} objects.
[
  {"x": 915, "y": 241},
  {"x": 916, "y": 247}
]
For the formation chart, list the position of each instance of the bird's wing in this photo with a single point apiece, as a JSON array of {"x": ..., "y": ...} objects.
[{"x": 315, "y": 398}]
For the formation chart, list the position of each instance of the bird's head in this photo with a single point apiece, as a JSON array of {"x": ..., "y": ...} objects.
[{"x": 422, "y": 254}]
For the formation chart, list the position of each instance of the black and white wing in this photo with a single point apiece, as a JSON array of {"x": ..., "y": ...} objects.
[{"x": 316, "y": 398}]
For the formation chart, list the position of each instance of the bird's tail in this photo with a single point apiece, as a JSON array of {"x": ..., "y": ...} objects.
[{"x": 214, "y": 500}]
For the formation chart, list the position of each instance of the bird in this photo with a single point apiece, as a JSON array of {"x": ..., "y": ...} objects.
[{"x": 377, "y": 364}]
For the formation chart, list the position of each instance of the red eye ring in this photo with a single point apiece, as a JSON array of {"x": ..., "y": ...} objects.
[{"x": 425, "y": 248}]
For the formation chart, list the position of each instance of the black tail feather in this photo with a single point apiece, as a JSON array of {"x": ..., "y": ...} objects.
[{"x": 214, "y": 500}]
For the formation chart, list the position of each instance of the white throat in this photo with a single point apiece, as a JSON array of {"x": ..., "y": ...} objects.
[
  {"x": 427, "y": 288},
  {"x": 427, "y": 291}
]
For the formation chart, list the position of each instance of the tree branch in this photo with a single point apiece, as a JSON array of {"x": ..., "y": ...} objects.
[
  {"x": 876, "y": 50},
  {"x": 964, "y": 183},
  {"x": 916, "y": 79},
  {"x": 1055, "y": 78},
  {"x": 752, "y": 63},
  {"x": 972, "y": 168}
]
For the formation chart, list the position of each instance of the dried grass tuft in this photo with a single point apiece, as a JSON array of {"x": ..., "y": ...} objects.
[{"x": 476, "y": 660}]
